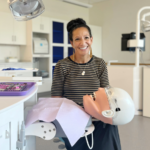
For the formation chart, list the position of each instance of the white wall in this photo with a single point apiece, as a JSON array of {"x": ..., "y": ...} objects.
[
  {"x": 117, "y": 17},
  {"x": 65, "y": 11},
  {"x": 9, "y": 51}
]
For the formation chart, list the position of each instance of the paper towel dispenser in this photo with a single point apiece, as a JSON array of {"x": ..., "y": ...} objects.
[{"x": 40, "y": 46}]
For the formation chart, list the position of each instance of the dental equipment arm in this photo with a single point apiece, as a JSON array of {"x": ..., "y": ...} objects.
[{"x": 138, "y": 35}]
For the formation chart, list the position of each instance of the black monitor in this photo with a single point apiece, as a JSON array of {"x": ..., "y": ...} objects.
[{"x": 126, "y": 37}]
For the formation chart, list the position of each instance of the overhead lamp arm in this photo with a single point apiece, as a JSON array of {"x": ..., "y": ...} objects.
[{"x": 138, "y": 34}]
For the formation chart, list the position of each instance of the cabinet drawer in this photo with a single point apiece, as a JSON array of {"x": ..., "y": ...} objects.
[
  {"x": 26, "y": 74},
  {"x": 45, "y": 87},
  {"x": 5, "y": 137},
  {"x": 41, "y": 24}
]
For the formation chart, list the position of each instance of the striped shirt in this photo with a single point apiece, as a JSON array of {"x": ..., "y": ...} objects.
[{"x": 69, "y": 82}]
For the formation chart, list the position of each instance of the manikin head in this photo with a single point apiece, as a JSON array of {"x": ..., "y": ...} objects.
[{"x": 110, "y": 105}]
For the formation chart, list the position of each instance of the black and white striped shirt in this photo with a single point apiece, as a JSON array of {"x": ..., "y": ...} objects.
[{"x": 69, "y": 82}]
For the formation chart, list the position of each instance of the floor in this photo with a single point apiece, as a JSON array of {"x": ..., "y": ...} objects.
[{"x": 134, "y": 135}]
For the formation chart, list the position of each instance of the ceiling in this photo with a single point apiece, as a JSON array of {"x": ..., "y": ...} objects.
[{"x": 90, "y": 1}]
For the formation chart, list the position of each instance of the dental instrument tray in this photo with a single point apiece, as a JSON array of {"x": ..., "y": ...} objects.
[{"x": 15, "y": 88}]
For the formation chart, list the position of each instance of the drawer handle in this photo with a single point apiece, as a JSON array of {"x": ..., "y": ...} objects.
[
  {"x": 1, "y": 136},
  {"x": 6, "y": 135}
]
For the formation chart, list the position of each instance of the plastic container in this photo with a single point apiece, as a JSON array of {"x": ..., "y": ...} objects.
[{"x": 29, "y": 87}]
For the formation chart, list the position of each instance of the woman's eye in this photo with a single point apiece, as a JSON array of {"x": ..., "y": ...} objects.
[
  {"x": 87, "y": 37},
  {"x": 77, "y": 39}
]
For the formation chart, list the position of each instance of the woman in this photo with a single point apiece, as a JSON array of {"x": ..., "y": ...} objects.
[{"x": 81, "y": 74}]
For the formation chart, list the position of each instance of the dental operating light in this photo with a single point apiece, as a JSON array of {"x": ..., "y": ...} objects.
[
  {"x": 145, "y": 23},
  {"x": 24, "y": 10}
]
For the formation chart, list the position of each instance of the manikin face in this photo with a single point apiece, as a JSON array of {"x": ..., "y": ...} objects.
[
  {"x": 98, "y": 105},
  {"x": 110, "y": 105},
  {"x": 81, "y": 41}
]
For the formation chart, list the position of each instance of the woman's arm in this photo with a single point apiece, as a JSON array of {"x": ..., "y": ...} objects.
[
  {"x": 104, "y": 81},
  {"x": 58, "y": 81}
]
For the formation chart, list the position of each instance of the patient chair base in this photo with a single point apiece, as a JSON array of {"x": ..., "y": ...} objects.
[{"x": 46, "y": 131}]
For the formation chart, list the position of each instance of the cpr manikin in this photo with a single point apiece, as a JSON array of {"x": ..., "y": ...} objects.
[
  {"x": 110, "y": 105},
  {"x": 64, "y": 118}
]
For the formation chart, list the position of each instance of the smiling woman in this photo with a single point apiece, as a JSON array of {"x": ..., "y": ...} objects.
[{"x": 81, "y": 74}]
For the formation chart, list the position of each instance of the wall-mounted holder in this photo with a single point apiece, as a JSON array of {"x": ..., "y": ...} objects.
[{"x": 134, "y": 43}]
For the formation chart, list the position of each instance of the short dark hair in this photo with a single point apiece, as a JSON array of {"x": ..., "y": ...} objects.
[{"x": 77, "y": 23}]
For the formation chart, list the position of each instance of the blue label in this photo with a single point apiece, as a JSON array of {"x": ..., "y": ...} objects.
[{"x": 41, "y": 44}]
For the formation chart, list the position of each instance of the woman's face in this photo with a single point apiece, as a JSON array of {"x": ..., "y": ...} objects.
[{"x": 81, "y": 41}]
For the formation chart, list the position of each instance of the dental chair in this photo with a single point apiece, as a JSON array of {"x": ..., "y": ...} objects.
[
  {"x": 48, "y": 131},
  {"x": 55, "y": 121}
]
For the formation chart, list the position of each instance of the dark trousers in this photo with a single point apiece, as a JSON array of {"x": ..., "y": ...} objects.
[{"x": 106, "y": 137}]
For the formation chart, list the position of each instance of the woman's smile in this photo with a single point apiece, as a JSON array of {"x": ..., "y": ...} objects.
[{"x": 83, "y": 48}]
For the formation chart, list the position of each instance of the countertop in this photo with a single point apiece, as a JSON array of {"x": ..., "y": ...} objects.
[{"x": 7, "y": 102}]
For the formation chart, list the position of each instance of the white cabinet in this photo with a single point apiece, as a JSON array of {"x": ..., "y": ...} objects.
[
  {"x": 6, "y": 28},
  {"x": 11, "y": 118},
  {"x": 10, "y": 125},
  {"x": 41, "y": 24},
  {"x": 41, "y": 29},
  {"x": 45, "y": 87},
  {"x": 43, "y": 63},
  {"x": 4, "y": 137},
  {"x": 146, "y": 93},
  {"x": 19, "y": 33},
  {"x": 11, "y": 31}
]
